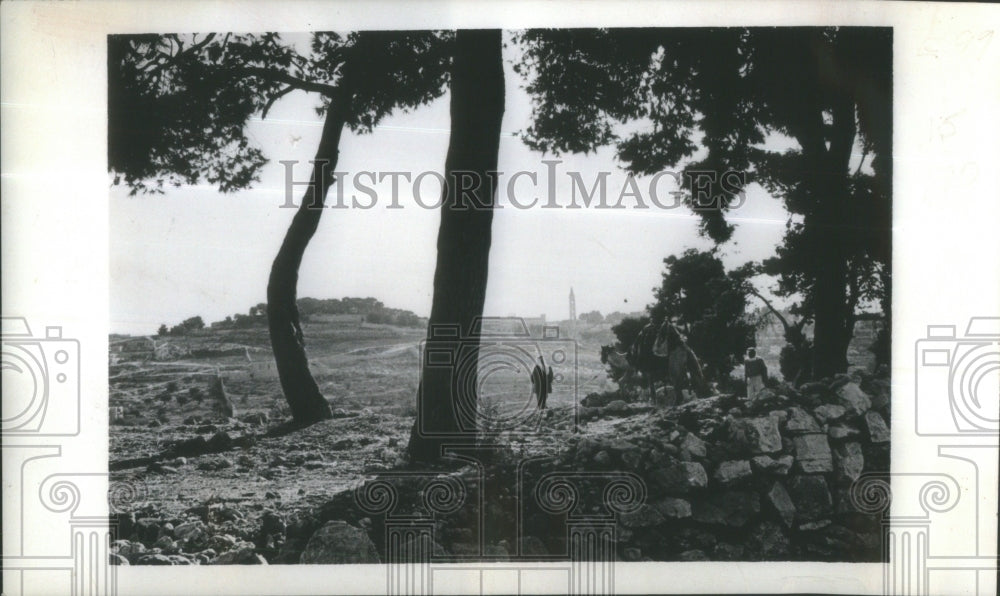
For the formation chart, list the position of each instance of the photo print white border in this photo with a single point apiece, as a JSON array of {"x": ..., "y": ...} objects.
[{"x": 942, "y": 511}]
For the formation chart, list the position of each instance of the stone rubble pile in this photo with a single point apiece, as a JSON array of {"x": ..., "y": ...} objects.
[{"x": 209, "y": 534}]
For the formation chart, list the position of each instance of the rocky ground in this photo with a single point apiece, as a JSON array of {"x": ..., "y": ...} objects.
[
  {"x": 717, "y": 478},
  {"x": 175, "y": 460}
]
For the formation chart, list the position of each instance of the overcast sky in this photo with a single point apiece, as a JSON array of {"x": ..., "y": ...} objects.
[{"x": 194, "y": 251}]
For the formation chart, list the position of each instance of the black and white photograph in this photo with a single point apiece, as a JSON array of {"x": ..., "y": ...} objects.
[
  {"x": 502, "y": 297},
  {"x": 495, "y": 295}
]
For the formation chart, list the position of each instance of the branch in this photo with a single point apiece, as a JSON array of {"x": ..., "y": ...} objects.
[
  {"x": 170, "y": 58},
  {"x": 202, "y": 43},
  {"x": 284, "y": 77},
  {"x": 770, "y": 307},
  {"x": 864, "y": 154},
  {"x": 269, "y": 74},
  {"x": 274, "y": 98}
]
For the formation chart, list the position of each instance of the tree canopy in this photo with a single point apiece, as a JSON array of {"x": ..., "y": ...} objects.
[
  {"x": 709, "y": 305},
  {"x": 718, "y": 100},
  {"x": 179, "y": 105}
]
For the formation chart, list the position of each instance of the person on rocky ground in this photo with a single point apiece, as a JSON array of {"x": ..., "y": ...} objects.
[
  {"x": 541, "y": 382},
  {"x": 755, "y": 373},
  {"x": 217, "y": 390}
]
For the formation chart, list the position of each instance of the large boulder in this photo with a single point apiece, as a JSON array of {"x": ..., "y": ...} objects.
[
  {"x": 243, "y": 555},
  {"x": 693, "y": 446},
  {"x": 842, "y": 432},
  {"x": 339, "y": 543},
  {"x": 131, "y": 550},
  {"x": 193, "y": 536},
  {"x": 766, "y": 399},
  {"x": 782, "y": 504},
  {"x": 879, "y": 390},
  {"x": 878, "y": 432},
  {"x": 147, "y": 529},
  {"x": 839, "y": 380},
  {"x": 679, "y": 478},
  {"x": 768, "y": 465},
  {"x": 829, "y": 413},
  {"x": 800, "y": 422},
  {"x": 759, "y": 435},
  {"x": 812, "y": 454},
  {"x": 731, "y": 472},
  {"x": 854, "y": 400},
  {"x": 850, "y": 462},
  {"x": 811, "y": 497},
  {"x": 673, "y": 508}
]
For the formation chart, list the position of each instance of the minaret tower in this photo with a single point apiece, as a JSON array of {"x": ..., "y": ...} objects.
[{"x": 572, "y": 312}]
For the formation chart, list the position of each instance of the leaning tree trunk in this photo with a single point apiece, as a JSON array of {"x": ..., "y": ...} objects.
[
  {"x": 447, "y": 396},
  {"x": 303, "y": 395}
]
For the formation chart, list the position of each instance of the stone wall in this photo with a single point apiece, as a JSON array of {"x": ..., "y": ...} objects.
[
  {"x": 768, "y": 479},
  {"x": 720, "y": 478}
]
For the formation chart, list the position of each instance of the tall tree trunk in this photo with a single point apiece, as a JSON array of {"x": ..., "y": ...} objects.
[
  {"x": 830, "y": 296},
  {"x": 830, "y": 299},
  {"x": 447, "y": 396},
  {"x": 303, "y": 395}
]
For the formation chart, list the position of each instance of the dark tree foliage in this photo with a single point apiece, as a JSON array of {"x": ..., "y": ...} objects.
[
  {"x": 707, "y": 99},
  {"x": 372, "y": 309},
  {"x": 178, "y": 105},
  {"x": 619, "y": 356},
  {"x": 627, "y": 331},
  {"x": 709, "y": 305},
  {"x": 184, "y": 327}
]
